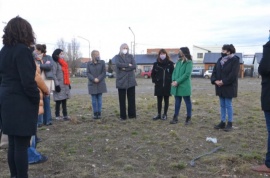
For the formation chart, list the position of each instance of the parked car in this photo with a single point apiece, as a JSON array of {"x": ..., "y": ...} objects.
[
  {"x": 81, "y": 74},
  {"x": 197, "y": 73},
  {"x": 146, "y": 74},
  {"x": 109, "y": 75},
  {"x": 207, "y": 74}
]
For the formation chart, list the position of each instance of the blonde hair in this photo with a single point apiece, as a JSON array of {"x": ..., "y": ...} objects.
[{"x": 93, "y": 55}]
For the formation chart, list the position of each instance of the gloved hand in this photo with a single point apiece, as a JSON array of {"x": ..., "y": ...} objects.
[
  {"x": 57, "y": 88},
  {"x": 69, "y": 87}
]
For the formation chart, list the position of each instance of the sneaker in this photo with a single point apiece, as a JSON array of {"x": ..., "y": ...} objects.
[{"x": 42, "y": 160}]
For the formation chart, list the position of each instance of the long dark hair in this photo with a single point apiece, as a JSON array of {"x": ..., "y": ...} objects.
[
  {"x": 164, "y": 52},
  {"x": 18, "y": 30},
  {"x": 186, "y": 53}
]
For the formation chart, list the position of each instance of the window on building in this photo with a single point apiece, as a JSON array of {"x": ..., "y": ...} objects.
[
  {"x": 199, "y": 55},
  {"x": 210, "y": 67},
  {"x": 147, "y": 68}
]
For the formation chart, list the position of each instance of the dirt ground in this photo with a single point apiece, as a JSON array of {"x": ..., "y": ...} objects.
[{"x": 86, "y": 148}]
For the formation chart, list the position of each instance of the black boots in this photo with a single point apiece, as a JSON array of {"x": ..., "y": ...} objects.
[
  {"x": 164, "y": 117},
  {"x": 175, "y": 120},
  {"x": 97, "y": 115},
  {"x": 228, "y": 127},
  {"x": 222, "y": 125},
  {"x": 188, "y": 120},
  {"x": 157, "y": 117}
]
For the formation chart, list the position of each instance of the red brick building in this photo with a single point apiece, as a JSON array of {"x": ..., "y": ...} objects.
[{"x": 84, "y": 60}]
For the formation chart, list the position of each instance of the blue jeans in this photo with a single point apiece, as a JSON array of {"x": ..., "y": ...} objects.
[
  {"x": 33, "y": 154},
  {"x": 97, "y": 102},
  {"x": 40, "y": 119},
  {"x": 226, "y": 107},
  {"x": 47, "y": 116},
  {"x": 267, "y": 119},
  {"x": 178, "y": 100}
]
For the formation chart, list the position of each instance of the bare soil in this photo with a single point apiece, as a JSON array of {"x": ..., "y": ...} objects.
[{"x": 86, "y": 148}]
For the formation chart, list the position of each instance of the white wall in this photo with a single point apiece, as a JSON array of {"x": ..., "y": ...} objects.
[{"x": 196, "y": 50}]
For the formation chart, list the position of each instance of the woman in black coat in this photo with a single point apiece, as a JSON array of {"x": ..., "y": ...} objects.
[
  {"x": 19, "y": 94},
  {"x": 225, "y": 79},
  {"x": 264, "y": 71},
  {"x": 162, "y": 78}
]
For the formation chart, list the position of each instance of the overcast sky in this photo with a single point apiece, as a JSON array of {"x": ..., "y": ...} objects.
[{"x": 156, "y": 23}]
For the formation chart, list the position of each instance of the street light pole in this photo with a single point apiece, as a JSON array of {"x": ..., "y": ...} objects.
[
  {"x": 133, "y": 43},
  {"x": 88, "y": 43}
]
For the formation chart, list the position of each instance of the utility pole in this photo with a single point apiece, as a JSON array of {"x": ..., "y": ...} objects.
[
  {"x": 89, "y": 45},
  {"x": 133, "y": 42}
]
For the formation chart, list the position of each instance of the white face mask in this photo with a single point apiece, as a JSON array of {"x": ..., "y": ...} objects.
[
  {"x": 124, "y": 51},
  {"x": 62, "y": 56},
  {"x": 162, "y": 56},
  {"x": 39, "y": 56}
]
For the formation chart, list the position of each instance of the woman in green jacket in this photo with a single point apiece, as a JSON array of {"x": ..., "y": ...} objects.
[{"x": 181, "y": 84}]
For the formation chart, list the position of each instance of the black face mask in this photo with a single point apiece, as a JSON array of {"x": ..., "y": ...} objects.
[
  {"x": 97, "y": 58},
  {"x": 224, "y": 54}
]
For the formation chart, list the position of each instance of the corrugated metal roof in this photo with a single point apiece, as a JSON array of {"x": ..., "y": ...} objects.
[{"x": 212, "y": 58}]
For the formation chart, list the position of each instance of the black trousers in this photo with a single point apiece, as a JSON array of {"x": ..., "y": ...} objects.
[
  {"x": 64, "y": 108},
  {"x": 18, "y": 155},
  {"x": 166, "y": 104},
  {"x": 130, "y": 93}
]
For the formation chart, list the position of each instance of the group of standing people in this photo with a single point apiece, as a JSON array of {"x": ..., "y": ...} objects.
[{"x": 28, "y": 75}]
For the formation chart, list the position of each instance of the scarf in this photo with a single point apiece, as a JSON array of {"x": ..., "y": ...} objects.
[
  {"x": 225, "y": 59},
  {"x": 64, "y": 66}
]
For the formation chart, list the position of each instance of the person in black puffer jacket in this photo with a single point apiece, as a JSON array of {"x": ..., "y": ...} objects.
[{"x": 162, "y": 77}]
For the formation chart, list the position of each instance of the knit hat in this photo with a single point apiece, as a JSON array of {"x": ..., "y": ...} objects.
[{"x": 56, "y": 53}]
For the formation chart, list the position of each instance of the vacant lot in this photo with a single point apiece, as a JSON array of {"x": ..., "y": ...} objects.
[{"x": 141, "y": 147}]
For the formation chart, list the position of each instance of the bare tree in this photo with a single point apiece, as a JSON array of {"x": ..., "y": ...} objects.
[
  {"x": 73, "y": 55},
  {"x": 61, "y": 44}
]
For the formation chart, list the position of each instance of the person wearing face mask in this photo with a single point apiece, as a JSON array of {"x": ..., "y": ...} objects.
[
  {"x": 162, "y": 77},
  {"x": 125, "y": 81},
  {"x": 45, "y": 63},
  {"x": 225, "y": 79},
  {"x": 96, "y": 73},
  {"x": 62, "y": 84},
  {"x": 181, "y": 84}
]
